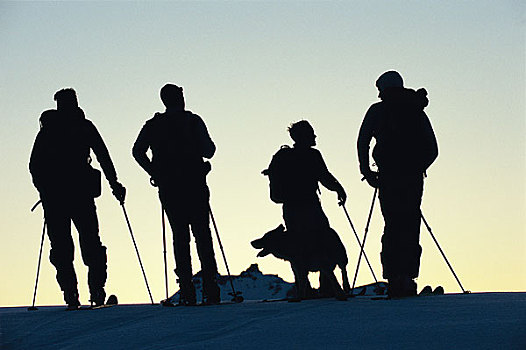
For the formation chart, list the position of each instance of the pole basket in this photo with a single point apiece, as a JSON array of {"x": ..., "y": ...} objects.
[{"x": 236, "y": 297}]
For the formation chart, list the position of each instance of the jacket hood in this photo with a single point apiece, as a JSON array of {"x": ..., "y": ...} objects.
[
  {"x": 54, "y": 117},
  {"x": 405, "y": 97}
]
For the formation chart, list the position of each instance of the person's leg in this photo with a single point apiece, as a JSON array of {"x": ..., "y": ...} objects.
[
  {"x": 175, "y": 209},
  {"x": 203, "y": 239},
  {"x": 400, "y": 203},
  {"x": 62, "y": 248},
  {"x": 412, "y": 223},
  {"x": 308, "y": 222},
  {"x": 84, "y": 217},
  {"x": 390, "y": 202}
]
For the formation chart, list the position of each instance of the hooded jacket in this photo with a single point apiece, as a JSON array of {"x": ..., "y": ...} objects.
[
  {"x": 405, "y": 141},
  {"x": 61, "y": 153},
  {"x": 178, "y": 140}
]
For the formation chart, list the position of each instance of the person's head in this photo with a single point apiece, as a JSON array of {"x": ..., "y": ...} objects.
[
  {"x": 172, "y": 97},
  {"x": 390, "y": 79},
  {"x": 66, "y": 99},
  {"x": 302, "y": 133}
]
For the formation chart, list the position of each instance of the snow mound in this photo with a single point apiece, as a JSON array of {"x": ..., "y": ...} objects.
[{"x": 254, "y": 285}]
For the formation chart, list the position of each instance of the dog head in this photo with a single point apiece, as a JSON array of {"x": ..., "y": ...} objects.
[{"x": 269, "y": 242}]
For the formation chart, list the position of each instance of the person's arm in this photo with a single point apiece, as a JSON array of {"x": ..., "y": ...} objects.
[
  {"x": 365, "y": 135},
  {"x": 140, "y": 147},
  {"x": 430, "y": 144},
  {"x": 329, "y": 181},
  {"x": 206, "y": 145},
  {"x": 102, "y": 154},
  {"x": 35, "y": 162}
]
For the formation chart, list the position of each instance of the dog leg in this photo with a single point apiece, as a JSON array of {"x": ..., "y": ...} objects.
[
  {"x": 345, "y": 280},
  {"x": 338, "y": 291},
  {"x": 300, "y": 282}
]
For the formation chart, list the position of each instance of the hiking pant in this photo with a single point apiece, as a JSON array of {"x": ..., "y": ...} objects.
[
  {"x": 59, "y": 211},
  {"x": 306, "y": 218},
  {"x": 185, "y": 209},
  {"x": 400, "y": 199}
]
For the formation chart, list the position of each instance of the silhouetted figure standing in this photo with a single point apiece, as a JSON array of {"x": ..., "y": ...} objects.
[
  {"x": 294, "y": 174},
  {"x": 61, "y": 171},
  {"x": 405, "y": 147},
  {"x": 179, "y": 140}
]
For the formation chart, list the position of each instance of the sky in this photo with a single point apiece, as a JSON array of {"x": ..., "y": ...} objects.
[{"x": 249, "y": 69}]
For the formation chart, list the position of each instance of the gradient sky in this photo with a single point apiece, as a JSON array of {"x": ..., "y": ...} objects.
[{"x": 250, "y": 69}]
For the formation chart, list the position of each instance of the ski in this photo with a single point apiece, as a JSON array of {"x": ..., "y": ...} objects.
[
  {"x": 112, "y": 301},
  {"x": 273, "y": 300},
  {"x": 169, "y": 303},
  {"x": 427, "y": 291}
]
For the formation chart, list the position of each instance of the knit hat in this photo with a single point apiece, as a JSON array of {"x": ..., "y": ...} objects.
[{"x": 389, "y": 79}]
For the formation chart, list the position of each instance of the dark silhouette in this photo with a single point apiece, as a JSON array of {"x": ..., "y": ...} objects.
[
  {"x": 179, "y": 140},
  {"x": 312, "y": 251},
  {"x": 405, "y": 147},
  {"x": 294, "y": 174},
  {"x": 61, "y": 171}
]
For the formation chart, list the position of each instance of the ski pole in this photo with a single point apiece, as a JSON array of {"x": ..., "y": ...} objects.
[
  {"x": 237, "y": 297},
  {"x": 136, "y": 250},
  {"x": 32, "y": 308},
  {"x": 164, "y": 253},
  {"x": 363, "y": 242},
  {"x": 443, "y": 254},
  {"x": 359, "y": 243}
]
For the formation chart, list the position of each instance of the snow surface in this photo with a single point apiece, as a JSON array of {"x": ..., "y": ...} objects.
[{"x": 451, "y": 321}]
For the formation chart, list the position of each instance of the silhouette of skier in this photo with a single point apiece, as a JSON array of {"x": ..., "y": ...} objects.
[
  {"x": 179, "y": 140},
  {"x": 405, "y": 147},
  {"x": 61, "y": 171},
  {"x": 294, "y": 175}
]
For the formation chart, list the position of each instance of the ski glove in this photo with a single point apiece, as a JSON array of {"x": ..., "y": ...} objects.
[
  {"x": 342, "y": 196},
  {"x": 372, "y": 178},
  {"x": 119, "y": 191}
]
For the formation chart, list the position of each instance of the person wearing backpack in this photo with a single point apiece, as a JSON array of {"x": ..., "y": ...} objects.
[
  {"x": 67, "y": 184},
  {"x": 179, "y": 140},
  {"x": 405, "y": 148},
  {"x": 294, "y": 174}
]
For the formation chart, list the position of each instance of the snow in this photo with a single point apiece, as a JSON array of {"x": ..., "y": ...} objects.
[
  {"x": 252, "y": 282},
  {"x": 257, "y": 286},
  {"x": 451, "y": 321}
]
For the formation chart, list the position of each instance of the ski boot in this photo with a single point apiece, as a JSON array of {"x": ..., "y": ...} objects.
[
  {"x": 71, "y": 297},
  {"x": 438, "y": 291},
  {"x": 211, "y": 293},
  {"x": 98, "y": 297},
  {"x": 187, "y": 294},
  {"x": 401, "y": 287},
  {"x": 426, "y": 291},
  {"x": 409, "y": 287}
]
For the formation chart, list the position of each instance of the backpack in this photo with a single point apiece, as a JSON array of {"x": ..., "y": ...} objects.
[
  {"x": 400, "y": 137},
  {"x": 279, "y": 174},
  {"x": 63, "y": 155}
]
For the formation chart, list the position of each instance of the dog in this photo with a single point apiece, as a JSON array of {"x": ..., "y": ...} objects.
[{"x": 308, "y": 251}]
